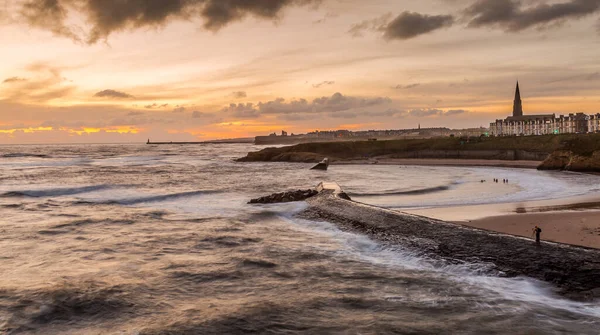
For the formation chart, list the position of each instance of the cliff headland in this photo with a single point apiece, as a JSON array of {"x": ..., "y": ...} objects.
[{"x": 573, "y": 152}]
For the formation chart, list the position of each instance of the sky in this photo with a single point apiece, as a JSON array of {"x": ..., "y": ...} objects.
[{"x": 116, "y": 71}]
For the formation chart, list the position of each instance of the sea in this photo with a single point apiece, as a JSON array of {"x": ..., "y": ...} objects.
[{"x": 159, "y": 239}]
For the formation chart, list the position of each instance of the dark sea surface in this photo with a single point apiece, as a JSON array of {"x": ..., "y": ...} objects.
[{"x": 142, "y": 239}]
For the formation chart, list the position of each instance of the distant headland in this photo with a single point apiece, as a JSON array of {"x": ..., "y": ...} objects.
[{"x": 225, "y": 141}]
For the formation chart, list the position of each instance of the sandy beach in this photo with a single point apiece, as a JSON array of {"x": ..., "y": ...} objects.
[{"x": 571, "y": 227}]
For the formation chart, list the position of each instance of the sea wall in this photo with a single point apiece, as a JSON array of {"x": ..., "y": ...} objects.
[{"x": 573, "y": 270}]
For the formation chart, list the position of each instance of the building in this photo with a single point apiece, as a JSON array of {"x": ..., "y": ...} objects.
[{"x": 525, "y": 125}]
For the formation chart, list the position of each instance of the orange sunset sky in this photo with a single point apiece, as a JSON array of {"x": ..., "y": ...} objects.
[{"x": 99, "y": 71}]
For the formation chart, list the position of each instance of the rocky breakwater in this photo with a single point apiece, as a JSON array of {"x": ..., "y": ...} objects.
[
  {"x": 290, "y": 196},
  {"x": 574, "y": 271}
]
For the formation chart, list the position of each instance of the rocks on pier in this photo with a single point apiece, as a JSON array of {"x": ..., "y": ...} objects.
[{"x": 290, "y": 196}]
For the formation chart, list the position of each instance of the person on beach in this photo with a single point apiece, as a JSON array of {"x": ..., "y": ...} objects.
[{"x": 537, "y": 231}]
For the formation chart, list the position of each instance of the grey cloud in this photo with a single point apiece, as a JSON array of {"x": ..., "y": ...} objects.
[
  {"x": 202, "y": 115},
  {"x": 512, "y": 15},
  {"x": 242, "y": 110},
  {"x": 428, "y": 112},
  {"x": 453, "y": 112},
  {"x": 333, "y": 104},
  {"x": 405, "y": 26},
  {"x": 179, "y": 109},
  {"x": 155, "y": 105},
  {"x": 336, "y": 103},
  {"x": 239, "y": 95},
  {"x": 593, "y": 76},
  {"x": 323, "y": 83},
  {"x": 410, "y": 24},
  {"x": 105, "y": 17},
  {"x": 375, "y": 24},
  {"x": 407, "y": 87},
  {"x": 14, "y": 80},
  {"x": 425, "y": 112},
  {"x": 113, "y": 94}
]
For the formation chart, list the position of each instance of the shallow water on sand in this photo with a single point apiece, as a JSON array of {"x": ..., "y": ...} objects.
[{"x": 136, "y": 239}]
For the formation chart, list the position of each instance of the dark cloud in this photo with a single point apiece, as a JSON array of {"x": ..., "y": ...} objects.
[
  {"x": 179, "y": 109},
  {"x": 48, "y": 15},
  {"x": 323, "y": 83},
  {"x": 410, "y": 24},
  {"x": 407, "y": 87},
  {"x": 105, "y": 17},
  {"x": 512, "y": 15},
  {"x": 156, "y": 106},
  {"x": 405, "y": 26},
  {"x": 239, "y": 95},
  {"x": 113, "y": 94},
  {"x": 13, "y": 80}
]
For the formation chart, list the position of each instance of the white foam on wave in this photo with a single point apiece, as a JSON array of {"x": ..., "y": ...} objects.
[{"x": 526, "y": 291}]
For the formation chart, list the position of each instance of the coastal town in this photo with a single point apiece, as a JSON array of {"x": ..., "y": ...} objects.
[{"x": 518, "y": 124}]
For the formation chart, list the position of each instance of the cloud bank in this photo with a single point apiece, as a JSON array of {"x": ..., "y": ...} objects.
[
  {"x": 512, "y": 15},
  {"x": 507, "y": 15},
  {"x": 104, "y": 17}
]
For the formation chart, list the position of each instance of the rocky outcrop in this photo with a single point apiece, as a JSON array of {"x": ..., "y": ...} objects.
[
  {"x": 573, "y": 270},
  {"x": 522, "y": 148},
  {"x": 569, "y": 161},
  {"x": 276, "y": 155},
  {"x": 291, "y": 196}
]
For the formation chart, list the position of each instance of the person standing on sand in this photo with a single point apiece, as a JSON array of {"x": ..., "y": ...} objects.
[{"x": 537, "y": 231}]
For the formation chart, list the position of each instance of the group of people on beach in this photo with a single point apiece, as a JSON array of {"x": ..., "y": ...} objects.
[{"x": 496, "y": 180}]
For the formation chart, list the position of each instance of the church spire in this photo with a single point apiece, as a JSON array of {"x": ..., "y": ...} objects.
[{"x": 518, "y": 106}]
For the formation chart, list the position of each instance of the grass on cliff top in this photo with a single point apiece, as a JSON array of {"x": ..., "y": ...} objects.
[{"x": 581, "y": 144}]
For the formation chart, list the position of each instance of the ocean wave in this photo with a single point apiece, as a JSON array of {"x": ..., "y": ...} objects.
[
  {"x": 145, "y": 199},
  {"x": 409, "y": 192},
  {"x": 53, "y": 192},
  {"x": 22, "y": 155}
]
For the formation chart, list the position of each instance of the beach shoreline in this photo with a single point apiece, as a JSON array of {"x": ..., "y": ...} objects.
[{"x": 524, "y": 164}]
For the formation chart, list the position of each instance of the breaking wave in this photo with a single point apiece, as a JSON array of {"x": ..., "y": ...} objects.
[
  {"x": 410, "y": 192},
  {"x": 55, "y": 192}
]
